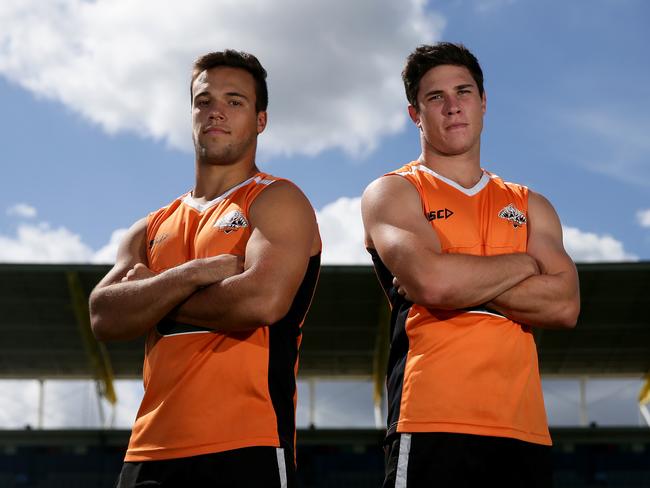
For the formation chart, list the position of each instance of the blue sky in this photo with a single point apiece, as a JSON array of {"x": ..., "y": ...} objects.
[
  {"x": 94, "y": 118},
  {"x": 92, "y": 142}
]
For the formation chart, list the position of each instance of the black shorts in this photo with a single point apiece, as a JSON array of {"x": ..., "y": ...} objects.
[
  {"x": 463, "y": 460},
  {"x": 250, "y": 467}
]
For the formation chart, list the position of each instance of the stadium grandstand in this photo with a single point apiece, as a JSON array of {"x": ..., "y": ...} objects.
[{"x": 46, "y": 336}]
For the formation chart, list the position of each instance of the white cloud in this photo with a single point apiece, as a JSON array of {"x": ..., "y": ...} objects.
[
  {"x": 41, "y": 243},
  {"x": 590, "y": 247},
  {"x": 22, "y": 210},
  {"x": 334, "y": 67},
  {"x": 341, "y": 230},
  {"x": 643, "y": 217},
  {"x": 108, "y": 253}
]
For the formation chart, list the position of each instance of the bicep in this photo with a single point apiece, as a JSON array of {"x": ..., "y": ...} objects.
[
  {"x": 396, "y": 226},
  {"x": 545, "y": 242},
  {"x": 132, "y": 250},
  {"x": 283, "y": 231}
]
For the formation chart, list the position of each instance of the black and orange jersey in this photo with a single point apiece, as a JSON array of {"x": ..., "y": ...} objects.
[
  {"x": 205, "y": 391},
  {"x": 464, "y": 371}
]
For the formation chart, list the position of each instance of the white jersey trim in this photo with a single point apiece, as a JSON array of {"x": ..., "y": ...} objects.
[
  {"x": 485, "y": 312},
  {"x": 189, "y": 200},
  {"x": 403, "y": 460},
  {"x": 485, "y": 178},
  {"x": 282, "y": 467}
]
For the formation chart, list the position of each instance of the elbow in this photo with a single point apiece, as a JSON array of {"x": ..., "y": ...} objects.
[
  {"x": 567, "y": 315},
  {"x": 270, "y": 310},
  {"x": 438, "y": 296},
  {"x": 100, "y": 330},
  {"x": 99, "y": 324},
  {"x": 99, "y": 327}
]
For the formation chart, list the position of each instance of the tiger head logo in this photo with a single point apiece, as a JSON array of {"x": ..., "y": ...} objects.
[
  {"x": 511, "y": 213},
  {"x": 231, "y": 222}
]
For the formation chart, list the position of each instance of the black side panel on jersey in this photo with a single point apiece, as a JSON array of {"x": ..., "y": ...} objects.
[
  {"x": 283, "y": 355},
  {"x": 399, "y": 342}
]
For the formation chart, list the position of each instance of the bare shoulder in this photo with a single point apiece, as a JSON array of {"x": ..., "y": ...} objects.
[
  {"x": 281, "y": 194},
  {"x": 538, "y": 200},
  {"x": 384, "y": 192},
  {"x": 282, "y": 211},
  {"x": 542, "y": 214}
]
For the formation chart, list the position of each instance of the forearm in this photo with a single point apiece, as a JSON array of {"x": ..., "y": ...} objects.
[
  {"x": 234, "y": 304},
  {"x": 455, "y": 281},
  {"x": 549, "y": 301},
  {"x": 126, "y": 310}
]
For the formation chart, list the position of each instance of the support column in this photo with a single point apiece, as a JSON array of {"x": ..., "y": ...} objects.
[
  {"x": 380, "y": 361},
  {"x": 644, "y": 400},
  {"x": 41, "y": 403},
  {"x": 100, "y": 363},
  {"x": 584, "y": 417},
  {"x": 312, "y": 403}
]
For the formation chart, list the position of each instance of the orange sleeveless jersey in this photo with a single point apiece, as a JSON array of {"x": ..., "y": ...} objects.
[
  {"x": 465, "y": 371},
  {"x": 207, "y": 392}
]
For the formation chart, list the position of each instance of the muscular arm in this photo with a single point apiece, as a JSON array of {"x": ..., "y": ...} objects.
[
  {"x": 284, "y": 235},
  {"x": 551, "y": 299},
  {"x": 131, "y": 299},
  {"x": 409, "y": 247}
]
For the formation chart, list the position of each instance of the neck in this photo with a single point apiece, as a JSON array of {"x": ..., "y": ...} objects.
[
  {"x": 212, "y": 181},
  {"x": 464, "y": 169}
]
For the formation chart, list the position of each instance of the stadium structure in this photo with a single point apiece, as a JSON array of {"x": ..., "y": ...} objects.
[{"x": 46, "y": 335}]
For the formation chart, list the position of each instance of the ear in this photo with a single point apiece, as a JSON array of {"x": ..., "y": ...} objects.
[
  {"x": 415, "y": 116},
  {"x": 261, "y": 121},
  {"x": 484, "y": 102}
]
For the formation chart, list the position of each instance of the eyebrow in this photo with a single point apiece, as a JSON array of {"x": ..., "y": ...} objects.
[
  {"x": 457, "y": 87},
  {"x": 229, "y": 94},
  {"x": 237, "y": 94}
]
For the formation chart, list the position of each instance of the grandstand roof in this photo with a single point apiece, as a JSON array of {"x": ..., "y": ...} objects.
[{"x": 45, "y": 332}]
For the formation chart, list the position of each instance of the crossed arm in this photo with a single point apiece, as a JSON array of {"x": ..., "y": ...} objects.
[
  {"x": 522, "y": 286},
  {"x": 223, "y": 292}
]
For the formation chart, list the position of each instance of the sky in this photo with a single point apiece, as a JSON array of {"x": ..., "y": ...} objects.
[{"x": 95, "y": 112}]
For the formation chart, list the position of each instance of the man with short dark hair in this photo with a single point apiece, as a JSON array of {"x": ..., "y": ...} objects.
[
  {"x": 470, "y": 264},
  {"x": 219, "y": 281}
]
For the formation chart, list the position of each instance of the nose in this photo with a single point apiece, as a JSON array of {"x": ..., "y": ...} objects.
[
  {"x": 452, "y": 107},
  {"x": 217, "y": 112}
]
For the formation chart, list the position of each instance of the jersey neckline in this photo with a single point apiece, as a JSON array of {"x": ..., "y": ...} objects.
[
  {"x": 480, "y": 184},
  {"x": 192, "y": 202}
]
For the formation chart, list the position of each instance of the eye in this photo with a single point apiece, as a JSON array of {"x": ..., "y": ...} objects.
[
  {"x": 204, "y": 102},
  {"x": 437, "y": 96},
  {"x": 235, "y": 103}
]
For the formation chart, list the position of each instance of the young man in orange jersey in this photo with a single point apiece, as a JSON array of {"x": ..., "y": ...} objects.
[
  {"x": 219, "y": 281},
  {"x": 469, "y": 264}
]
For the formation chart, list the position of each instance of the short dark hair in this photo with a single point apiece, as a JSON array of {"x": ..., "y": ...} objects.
[
  {"x": 235, "y": 59},
  {"x": 426, "y": 57}
]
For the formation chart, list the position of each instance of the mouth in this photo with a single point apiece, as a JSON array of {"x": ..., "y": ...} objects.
[
  {"x": 457, "y": 126},
  {"x": 215, "y": 130}
]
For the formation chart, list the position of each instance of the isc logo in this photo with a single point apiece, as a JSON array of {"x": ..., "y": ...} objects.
[{"x": 443, "y": 213}]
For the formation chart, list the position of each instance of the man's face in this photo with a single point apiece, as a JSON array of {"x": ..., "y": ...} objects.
[
  {"x": 450, "y": 110},
  {"x": 225, "y": 124}
]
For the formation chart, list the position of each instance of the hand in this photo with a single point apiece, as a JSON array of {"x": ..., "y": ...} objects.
[
  {"x": 400, "y": 289},
  {"x": 138, "y": 272},
  {"x": 217, "y": 268}
]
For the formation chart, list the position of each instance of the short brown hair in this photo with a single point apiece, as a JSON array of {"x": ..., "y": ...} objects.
[
  {"x": 426, "y": 57},
  {"x": 235, "y": 59}
]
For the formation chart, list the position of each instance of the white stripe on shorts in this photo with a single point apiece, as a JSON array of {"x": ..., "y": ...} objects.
[
  {"x": 282, "y": 467},
  {"x": 403, "y": 460}
]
